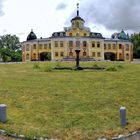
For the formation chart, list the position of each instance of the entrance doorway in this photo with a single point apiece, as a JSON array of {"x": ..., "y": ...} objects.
[
  {"x": 45, "y": 56},
  {"x": 110, "y": 56}
]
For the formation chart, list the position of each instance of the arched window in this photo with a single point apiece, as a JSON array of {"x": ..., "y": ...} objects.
[
  {"x": 77, "y": 24},
  {"x": 120, "y": 56},
  {"x": 84, "y": 53},
  {"x": 70, "y": 53},
  {"x": 61, "y": 34},
  {"x": 27, "y": 56},
  {"x": 34, "y": 56},
  {"x": 127, "y": 56}
]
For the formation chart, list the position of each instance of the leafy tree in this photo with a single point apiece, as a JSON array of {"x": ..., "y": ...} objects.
[
  {"x": 135, "y": 38},
  {"x": 10, "y": 48}
]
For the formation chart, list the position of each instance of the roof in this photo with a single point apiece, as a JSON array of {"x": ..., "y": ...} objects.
[
  {"x": 122, "y": 35},
  {"x": 59, "y": 34},
  {"x": 31, "y": 36},
  {"x": 77, "y": 18},
  {"x": 96, "y": 35}
]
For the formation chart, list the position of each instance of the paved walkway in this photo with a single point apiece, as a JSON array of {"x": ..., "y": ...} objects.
[{"x": 134, "y": 137}]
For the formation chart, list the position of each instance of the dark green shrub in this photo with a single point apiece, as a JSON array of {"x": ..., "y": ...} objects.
[
  {"x": 111, "y": 68},
  {"x": 58, "y": 65},
  {"x": 120, "y": 66},
  {"x": 47, "y": 68},
  {"x": 36, "y": 65},
  {"x": 95, "y": 65}
]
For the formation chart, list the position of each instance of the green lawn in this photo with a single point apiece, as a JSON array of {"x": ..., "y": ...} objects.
[{"x": 70, "y": 105}]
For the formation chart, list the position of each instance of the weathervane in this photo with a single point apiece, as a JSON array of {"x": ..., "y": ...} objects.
[{"x": 78, "y": 9}]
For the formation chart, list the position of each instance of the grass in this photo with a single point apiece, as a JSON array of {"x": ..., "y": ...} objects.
[{"x": 70, "y": 104}]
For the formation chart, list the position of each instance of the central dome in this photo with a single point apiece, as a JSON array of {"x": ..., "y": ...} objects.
[{"x": 77, "y": 18}]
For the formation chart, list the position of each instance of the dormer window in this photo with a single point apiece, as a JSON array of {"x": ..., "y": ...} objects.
[
  {"x": 98, "y": 35},
  {"x": 55, "y": 34},
  {"x": 61, "y": 34},
  {"x": 70, "y": 34}
]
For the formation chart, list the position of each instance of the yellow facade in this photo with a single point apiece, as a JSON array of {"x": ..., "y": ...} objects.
[{"x": 62, "y": 45}]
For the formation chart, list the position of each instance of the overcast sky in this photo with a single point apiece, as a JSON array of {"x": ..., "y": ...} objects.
[{"x": 47, "y": 16}]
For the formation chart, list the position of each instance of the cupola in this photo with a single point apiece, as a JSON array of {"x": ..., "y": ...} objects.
[
  {"x": 77, "y": 22},
  {"x": 31, "y": 36}
]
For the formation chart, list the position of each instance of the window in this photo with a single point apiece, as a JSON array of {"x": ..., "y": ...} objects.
[
  {"x": 98, "y": 54},
  {"x": 27, "y": 56},
  {"x": 70, "y": 44},
  {"x": 77, "y": 44},
  {"x": 120, "y": 56},
  {"x": 98, "y": 35},
  {"x": 23, "y": 48},
  {"x": 120, "y": 46},
  {"x": 34, "y": 46},
  {"x": 84, "y": 43},
  {"x": 93, "y": 54},
  {"x": 55, "y": 34},
  {"x": 56, "y": 43},
  {"x": 77, "y": 24},
  {"x": 109, "y": 46},
  {"x": 104, "y": 46},
  {"x": 61, "y": 44},
  {"x": 85, "y": 34},
  {"x": 27, "y": 47},
  {"x": 127, "y": 56},
  {"x": 93, "y": 44},
  {"x": 84, "y": 53},
  {"x": 61, "y": 54},
  {"x": 40, "y": 46},
  {"x": 77, "y": 34},
  {"x": 114, "y": 46},
  {"x": 127, "y": 47},
  {"x": 61, "y": 34},
  {"x": 45, "y": 46},
  {"x": 34, "y": 56},
  {"x": 49, "y": 45},
  {"x": 98, "y": 44},
  {"x": 70, "y": 53},
  {"x": 56, "y": 54},
  {"x": 70, "y": 34}
]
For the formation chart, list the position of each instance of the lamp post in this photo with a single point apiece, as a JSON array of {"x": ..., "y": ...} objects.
[{"x": 77, "y": 50}]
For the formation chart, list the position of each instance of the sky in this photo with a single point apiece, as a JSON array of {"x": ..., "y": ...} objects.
[{"x": 18, "y": 17}]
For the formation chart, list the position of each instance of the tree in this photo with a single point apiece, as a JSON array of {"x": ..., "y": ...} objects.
[
  {"x": 10, "y": 48},
  {"x": 135, "y": 38}
]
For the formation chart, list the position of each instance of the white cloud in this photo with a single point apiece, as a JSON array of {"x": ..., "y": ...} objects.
[{"x": 42, "y": 16}]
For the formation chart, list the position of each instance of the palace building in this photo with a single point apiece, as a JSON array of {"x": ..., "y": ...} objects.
[{"x": 61, "y": 46}]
